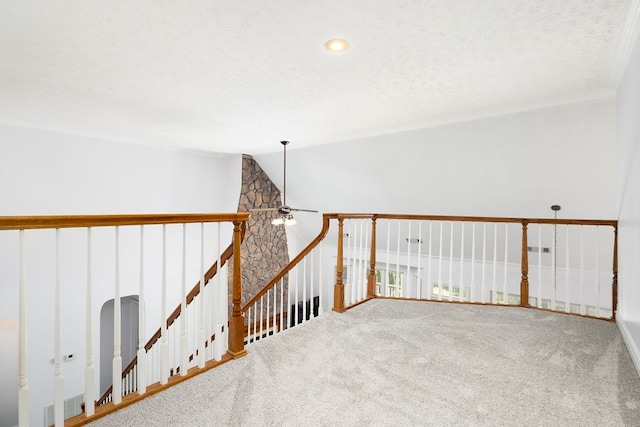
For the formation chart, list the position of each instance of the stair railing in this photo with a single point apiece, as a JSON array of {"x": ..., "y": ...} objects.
[{"x": 31, "y": 237}]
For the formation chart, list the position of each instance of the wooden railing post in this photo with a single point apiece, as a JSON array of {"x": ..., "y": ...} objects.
[
  {"x": 614, "y": 283},
  {"x": 236, "y": 323},
  {"x": 338, "y": 292},
  {"x": 524, "y": 281},
  {"x": 371, "y": 288}
]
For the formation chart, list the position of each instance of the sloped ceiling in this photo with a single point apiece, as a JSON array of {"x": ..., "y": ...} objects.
[{"x": 230, "y": 76}]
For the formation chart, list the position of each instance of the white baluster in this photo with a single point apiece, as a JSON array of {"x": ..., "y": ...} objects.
[
  {"x": 539, "y": 265},
  {"x": 304, "y": 290},
  {"x": 261, "y": 316},
  {"x": 419, "y": 277},
  {"x": 398, "y": 260},
  {"x": 289, "y": 311},
  {"x": 267, "y": 313},
  {"x": 184, "y": 317},
  {"x": 440, "y": 264},
  {"x": 483, "y": 281},
  {"x": 429, "y": 287},
  {"x": 297, "y": 308},
  {"x": 494, "y": 299},
  {"x": 553, "y": 265},
  {"x": 202, "y": 336},
  {"x": 407, "y": 282},
  {"x": 89, "y": 371},
  {"x": 141, "y": 370},
  {"x": 386, "y": 271},
  {"x": 505, "y": 290},
  {"x": 582, "y": 305},
  {"x": 567, "y": 303},
  {"x": 282, "y": 325},
  {"x": 164, "y": 339},
  {"x": 461, "y": 285},
  {"x": 23, "y": 371},
  {"x": 117, "y": 358},
  {"x": 320, "y": 282},
  {"x": 597, "y": 251},
  {"x": 472, "y": 297},
  {"x": 217, "y": 294},
  {"x": 58, "y": 385},
  {"x": 450, "y": 285},
  {"x": 311, "y": 256},
  {"x": 361, "y": 262}
]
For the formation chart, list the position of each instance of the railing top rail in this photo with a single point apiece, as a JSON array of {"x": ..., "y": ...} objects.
[
  {"x": 74, "y": 221},
  {"x": 612, "y": 223}
]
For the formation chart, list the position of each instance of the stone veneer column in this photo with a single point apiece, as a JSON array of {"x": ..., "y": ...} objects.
[{"x": 264, "y": 251}]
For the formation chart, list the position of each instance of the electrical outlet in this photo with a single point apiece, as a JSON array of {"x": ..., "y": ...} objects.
[{"x": 68, "y": 357}]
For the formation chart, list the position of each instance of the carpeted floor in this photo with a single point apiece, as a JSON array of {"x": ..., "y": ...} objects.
[{"x": 409, "y": 363}]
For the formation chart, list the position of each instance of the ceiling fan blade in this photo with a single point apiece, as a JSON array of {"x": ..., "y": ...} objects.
[
  {"x": 263, "y": 210},
  {"x": 303, "y": 210}
]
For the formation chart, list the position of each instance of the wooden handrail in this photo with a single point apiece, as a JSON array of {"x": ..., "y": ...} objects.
[
  {"x": 79, "y": 221},
  {"x": 293, "y": 263}
]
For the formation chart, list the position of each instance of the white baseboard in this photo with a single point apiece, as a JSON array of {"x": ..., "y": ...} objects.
[{"x": 630, "y": 342}]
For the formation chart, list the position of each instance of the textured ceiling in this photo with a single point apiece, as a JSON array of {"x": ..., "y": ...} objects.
[{"x": 234, "y": 76}]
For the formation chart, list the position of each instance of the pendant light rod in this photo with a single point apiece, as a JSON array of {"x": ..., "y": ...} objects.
[{"x": 284, "y": 195}]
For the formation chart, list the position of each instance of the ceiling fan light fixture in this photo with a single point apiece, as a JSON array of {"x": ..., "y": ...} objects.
[
  {"x": 290, "y": 220},
  {"x": 337, "y": 45},
  {"x": 277, "y": 220}
]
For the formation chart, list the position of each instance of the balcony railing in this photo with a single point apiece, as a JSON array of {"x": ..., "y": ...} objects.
[
  {"x": 80, "y": 256},
  {"x": 568, "y": 266}
]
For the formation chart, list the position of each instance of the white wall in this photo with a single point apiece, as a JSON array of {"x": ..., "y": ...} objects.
[
  {"x": 629, "y": 205},
  {"x": 44, "y": 172},
  {"x": 513, "y": 165}
]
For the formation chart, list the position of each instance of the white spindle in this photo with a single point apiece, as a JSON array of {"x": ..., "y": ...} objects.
[
  {"x": 505, "y": 290},
  {"x": 275, "y": 303},
  {"x": 320, "y": 282},
  {"x": 282, "y": 325},
  {"x": 141, "y": 354},
  {"x": 58, "y": 385},
  {"x": 289, "y": 311},
  {"x": 386, "y": 271},
  {"x": 304, "y": 290},
  {"x": 472, "y": 296},
  {"x": 164, "y": 339},
  {"x": 597, "y": 251},
  {"x": 398, "y": 261},
  {"x": 440, "y": 263},
  {"x": 311, "y": 256},
  {"x": 553, "y": 266},
  {"x": 294, "y": 277},
  {"x": 539, "y": 265},
  {"x": 23, "y": 372},
  {"x": 184, "y": 317},
  {"x": 261, "y": 316},
  {"x": 117, "y": 319},
  {"x": 407, "y": 283},
  {"x": 202, "y": 335},
  {"x": 365, "y": 263},
  {"x": 429, "y": 288},
  {"x": 461, "y": 286},
  {"x": 89, "y": 372},
  {"x": 217, "y": 293},
  {"x": 567, "y": 302},
  {"x": 582, "y": 305},
  {"x": 450, "y": 284},
  {"x": 483, "y": 281},
  {"x": 419, "y": 276},
  {"x": 494, "y": 284}
]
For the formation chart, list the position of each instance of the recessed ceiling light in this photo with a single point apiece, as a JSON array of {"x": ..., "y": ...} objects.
[{"x": 337, "y": 45}]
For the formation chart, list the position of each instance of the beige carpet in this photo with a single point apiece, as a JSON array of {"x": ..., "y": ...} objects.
[{"x": 408, "y": 363}]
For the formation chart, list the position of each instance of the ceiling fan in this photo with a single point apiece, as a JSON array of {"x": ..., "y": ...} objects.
[{"x": 284, "y": 215}]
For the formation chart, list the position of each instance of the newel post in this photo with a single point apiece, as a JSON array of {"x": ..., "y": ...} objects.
[
  {"x": 371, "y": 288},
  {"x": 338, "y": 292},
  {"x": 524, "y": 281},
  {"x": 236, "y": 323},
  {"x": 614, "y": 283}
]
